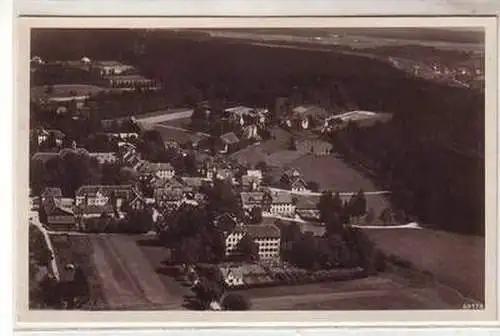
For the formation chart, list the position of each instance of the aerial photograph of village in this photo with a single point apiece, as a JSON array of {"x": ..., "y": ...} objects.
[{"x": 256, "y": 169}]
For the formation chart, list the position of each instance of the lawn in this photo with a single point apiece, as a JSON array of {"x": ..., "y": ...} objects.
[
  {"x": 181, "y": 123},
  {"x": 331, "y": 173},
  {"x": 455, "y": 260},
  {"x": 156, "y": 256},
  {"x": 63, "y": 90},
  {"x": 169, "y": 134}
]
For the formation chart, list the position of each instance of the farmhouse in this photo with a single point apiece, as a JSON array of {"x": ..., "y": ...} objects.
[
  {"x": 233, "y": 275},
  {"x": 131, "y": 81},
  {"x": 228, "y": 143},
  {"x": 250, "y": 183},
  {"x": 115, "y": 195},
  {"x": 292, "y": 180},
  {"x": 110, "y": 68},
  {"x": 151, "y": 170},
  {"x": 56, "y": 216},
  {"x": 314, "y": 146},
  {"x": 306, "y": 117},
  {"x": 307, "y": 207},
  {"x": 249, "y": 200},
  {"x": 102, "y": 158}
]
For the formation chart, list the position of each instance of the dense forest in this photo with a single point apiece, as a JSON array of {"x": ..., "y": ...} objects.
[{"x": 423, "y": 148}]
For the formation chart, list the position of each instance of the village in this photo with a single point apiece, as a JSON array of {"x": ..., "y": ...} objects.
[{"x": 220, "y": 196}]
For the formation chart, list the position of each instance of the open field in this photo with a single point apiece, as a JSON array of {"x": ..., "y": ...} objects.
[
  {"x": 119, "y": 272},
  {"x": 181, "y": 123},
  {"x": 156, "y": 255},
  {"x": 372, "y": 293},
  {"x": 169, "y": 133},
  {"x": 255, "y": 153},
  {"x": 64, "y": 90},
  {"x": 164, "y": 115},
  {"x": 436, "y": 252},
  {"x": 332, "y": 173}
]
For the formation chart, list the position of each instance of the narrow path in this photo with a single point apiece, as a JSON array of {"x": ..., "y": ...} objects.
[{"x": 53, "y": 264}]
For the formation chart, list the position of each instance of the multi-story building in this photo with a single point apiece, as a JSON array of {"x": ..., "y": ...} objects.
[
  {"x": 267, "y": 238},
  {"x": 116, "y": 195},
  {"x": 249, "y": 200},
  {"x": 282, "y": 204}
]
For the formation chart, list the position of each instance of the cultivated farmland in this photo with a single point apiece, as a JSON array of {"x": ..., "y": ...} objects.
[{"x": 432, "y": 250}]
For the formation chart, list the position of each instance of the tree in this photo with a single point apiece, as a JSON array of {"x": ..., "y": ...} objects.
[
  {"x": 370, "y": 216},
  {"x": 256, "y": 215},
  {"x": 262, "y": 166},
  {"x": 285, "y": 182},
  {"x": 248, "y": 249},
  {"x": 313, "y": 186},
  {"x": 234, "y": 301},
  {"x": 207, "y": 291},
  {"x": 291, "y": 144},
  {"x": 386, "y": 217}
]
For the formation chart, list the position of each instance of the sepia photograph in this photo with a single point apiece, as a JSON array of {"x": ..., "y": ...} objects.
[{"x": 256, "y": 169}]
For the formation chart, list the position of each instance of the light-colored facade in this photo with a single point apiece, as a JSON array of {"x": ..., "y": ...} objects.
[
  {"x": 267, "y": 238},
  {"x": 104, "y": 157},
  {"x": 232, "y": 241},
  {"x": 282, "y": 204}
]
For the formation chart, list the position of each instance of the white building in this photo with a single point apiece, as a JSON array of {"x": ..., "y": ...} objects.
[
  {"x": 282, "y": 204},
  {"x": 267, "y": 237}
]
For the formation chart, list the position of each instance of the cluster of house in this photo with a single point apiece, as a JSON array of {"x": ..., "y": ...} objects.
[{"x": 113, "y": 74}]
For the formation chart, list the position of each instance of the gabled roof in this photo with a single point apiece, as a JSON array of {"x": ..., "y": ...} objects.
[
  {"x": 107, "y": 190},
  {"x": 297, "y": 181},
  {"x": 173, "y": 183},
  {"x": 150, "y": 167},
  {"x": 281, "y": 198},
  {"x": 229, "y": 138},
  {"x": 263, "y": 231},
  {"x": 169, "y": 194},
  {"x": 307, "y": 202},
  {"x": 226, "y": 222},
  {"x": 251, "y": 197},
  {"x": 195, "y": 182},
  {"x": 247, "y": 180}
]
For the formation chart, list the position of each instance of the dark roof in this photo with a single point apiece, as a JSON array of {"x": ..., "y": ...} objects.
[
  {"x": 251, "y": 197},
  {"x": 52, "y": 192},
  {"x": 92, "y": 190},
  {"x": 226, "y": 222},
  {"x": 229, "y": 138},
  {"x": 169, "y": 195},
  {"x": 263, "y": 231},
  {"x": 154, "y": 167},
  {"x": 195, "y": 182},
  {"x": 282, "y": 197},
  {"x": 307, "y": 202}
]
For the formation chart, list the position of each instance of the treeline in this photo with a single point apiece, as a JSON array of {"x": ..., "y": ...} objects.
[{"x": 443, "y": 189}]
